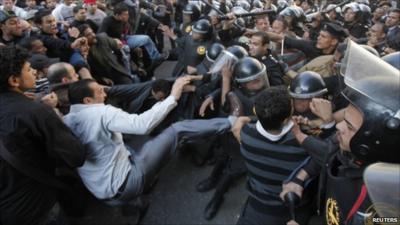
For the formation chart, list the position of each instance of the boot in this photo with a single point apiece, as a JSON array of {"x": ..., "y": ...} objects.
[
  {"x": 211, "y": 181},
  {"x": 212, "y": 207}
]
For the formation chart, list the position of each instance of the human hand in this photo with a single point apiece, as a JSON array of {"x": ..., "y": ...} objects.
[
  {"x": 322, "y": 108},
  {"x": 291, "y": 187},
  {"x": 177, "y": 88},
  {"x": 238, "y": 125},
  {"x": 50, "y": 100},
  {"x": 209, "y": 102},
  {"x": 73, "y": 32},
  {"x": 79, "y": 42}
]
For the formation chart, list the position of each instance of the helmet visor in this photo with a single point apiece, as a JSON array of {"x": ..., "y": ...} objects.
[
  {"x": 225, "y": 58},
  {"x": 371, "y": 76}
]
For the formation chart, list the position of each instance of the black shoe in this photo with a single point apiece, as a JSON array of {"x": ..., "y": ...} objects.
[
  {"x": 212, "y": 208},
  {"x": 206, "y": 185}
]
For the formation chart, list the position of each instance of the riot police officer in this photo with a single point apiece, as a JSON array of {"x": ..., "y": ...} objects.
[
  {"x": 305, "y": 89},
  {"x": 191, "y": 14},
  {"x": 191, "y": 49},
  {"x": 367, "y": 134}
]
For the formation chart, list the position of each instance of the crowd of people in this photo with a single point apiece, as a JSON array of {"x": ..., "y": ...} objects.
[{"x": 307, "y": 92}]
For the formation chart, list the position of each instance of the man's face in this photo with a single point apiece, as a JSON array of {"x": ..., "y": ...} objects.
[
  {"x": 159, "y": 95},
  {"x": 378, "y": 13},
  {"x": 186, "y": 18},
  {"x": 49, "y": 25},
  {"x": 325, "y": 40},
  {"x": 196, "y": 36},
  {"x": 255, "y": 85},
  {"x": 262, "y": 24},
  {"x": 51, "y": 4},
  {"x": 8, "y": 5},
  {"x": 301, "y": 105},
  {"x": 72, "y": 76},
  {"x": 332, "y": 15},
  {"x": 349, "y": 15},
  {"x": 92, "y": 8},
  {"x": 80, "y": 15},
  {"x": 27, "y": 78},
  {"x": 393, "y": 19},
  {"x": 91, "y": 36},
  {"x": 347, "y": 128},
  {"x": 305, "y": 6},
  {"x": 99, "y": 96},
  {"x": 68, "y": 2},
  {"x": 376, "y": 32},
  {"x": 12, "y": 27},
  {"x": 278, "y": 27},
  {"x": 38, "y": 47},
  {"x": 123, "y": 17},
  {"x": 257, "y": 49},
  {"x": 30, "y": 3}
]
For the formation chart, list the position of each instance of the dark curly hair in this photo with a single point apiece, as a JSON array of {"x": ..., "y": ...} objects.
[
  {"x": 12, "y": 59},
  {"x": 272, "y": 107}
]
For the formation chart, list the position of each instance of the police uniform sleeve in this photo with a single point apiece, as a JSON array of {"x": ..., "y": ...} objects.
[{"x": 307, "y": 47}]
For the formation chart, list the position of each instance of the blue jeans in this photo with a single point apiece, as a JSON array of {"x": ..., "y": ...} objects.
[{"x": 135, "y": 41}]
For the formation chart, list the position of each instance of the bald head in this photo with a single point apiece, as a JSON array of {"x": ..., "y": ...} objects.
[{"x": 61, "y": 73}]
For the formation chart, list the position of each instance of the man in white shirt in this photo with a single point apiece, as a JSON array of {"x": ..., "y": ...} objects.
[{"x": 111, "y": 172}]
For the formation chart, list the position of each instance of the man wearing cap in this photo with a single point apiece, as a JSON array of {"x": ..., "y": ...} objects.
[
  {"x": 11, "y": 30},
  {"x": 329, "y": 37}
]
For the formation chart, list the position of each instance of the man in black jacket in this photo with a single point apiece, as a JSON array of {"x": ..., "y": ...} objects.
[
  {"x": 259, "y": 49},
  {"x": 36, "y": 138}
]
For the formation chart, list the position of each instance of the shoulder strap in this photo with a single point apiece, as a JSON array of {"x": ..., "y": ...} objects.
[{"x": 30, "y": 171}]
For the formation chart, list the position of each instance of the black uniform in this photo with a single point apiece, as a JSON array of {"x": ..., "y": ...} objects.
[
  {"x": 190, "y": 53},
  {"x": 340, "y": 185},
  {"x": 274, "y": 69}
]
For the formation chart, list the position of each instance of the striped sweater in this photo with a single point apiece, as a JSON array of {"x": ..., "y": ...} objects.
[{"x": 270, "y": 159}]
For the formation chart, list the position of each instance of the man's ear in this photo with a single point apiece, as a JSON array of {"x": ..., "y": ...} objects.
[
  {"x": 335, "y": 42},
  {"x": 13, "y": 81},
  {"x": 87, "y": 100}
]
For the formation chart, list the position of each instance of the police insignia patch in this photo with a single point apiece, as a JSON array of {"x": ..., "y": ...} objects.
[
  {"x": 201, "y": 50},
  {"x": 332, "y": 212},
  {"x": 188, "y": 29}
]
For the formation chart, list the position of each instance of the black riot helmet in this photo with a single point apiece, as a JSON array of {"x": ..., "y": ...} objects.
[
  {"x": 307, "y": 85},
  {"x": 237, "y": 51},
  {"x": 230, "y": 57},
  {"x": 373, "y": 87},
  {"x": 244, "y": 4},
  {"x": 213, "y": 51},
  {"x": 393, "y": 59},
  {"x": 203, "y": 27},
  {"x": 257, "y": 4},
  {"x": 249, "y": 69},
  {"x": 212, "y": 54},
  {"x": 192, "y": 10}
]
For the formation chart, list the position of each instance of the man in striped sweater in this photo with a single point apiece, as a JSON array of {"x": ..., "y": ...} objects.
[{"x": 271, "y": 153}]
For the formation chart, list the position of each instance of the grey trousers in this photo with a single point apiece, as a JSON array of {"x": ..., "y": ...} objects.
[{"x": 157, "y": 152}]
